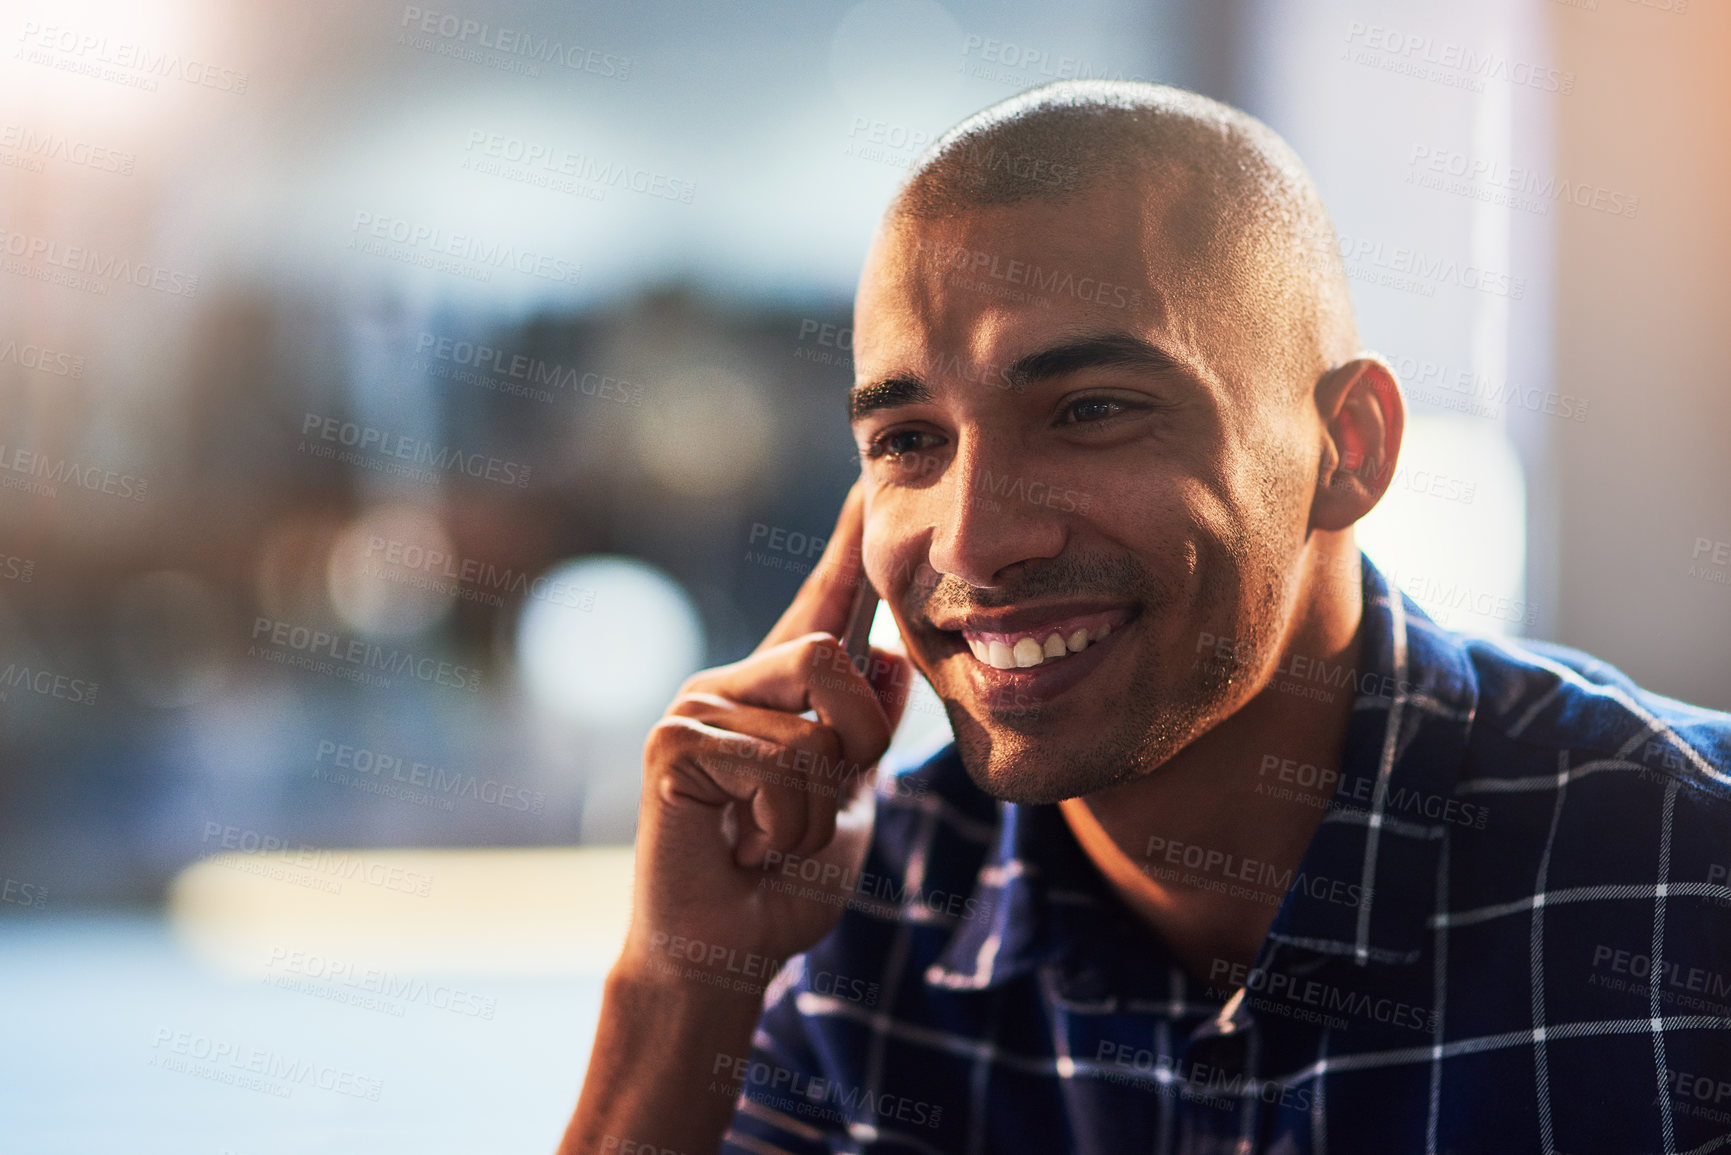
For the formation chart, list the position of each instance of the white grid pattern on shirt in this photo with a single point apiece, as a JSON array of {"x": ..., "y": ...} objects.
[
  {"x": 1622, "y": 891},
  {"x": 1659, "y": 892},
  {"x": 1251, "y": 1108},
  {"x": 1541, "y": 1057},
  {"x": 895, "y": 961},
  {"x": 1439, "y": 998},
  {"x": 1319, "y": 1102},
  {"x": 817, "y": 1005},
  {"x": 1616, "y": 694},
  {"x": 1385, "y": 767},
  {"x": 1163, "y": 1046},
  {"x": 979, "y": 1084}
]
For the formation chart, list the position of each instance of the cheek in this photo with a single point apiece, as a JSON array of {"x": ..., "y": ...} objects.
[{"x": 885, "y": 548}]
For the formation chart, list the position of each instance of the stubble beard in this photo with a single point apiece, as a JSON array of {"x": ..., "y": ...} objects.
[{"x": 1037, "y": 755}]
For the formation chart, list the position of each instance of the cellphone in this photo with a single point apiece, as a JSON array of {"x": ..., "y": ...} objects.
[{"x": 857, "y": 640}]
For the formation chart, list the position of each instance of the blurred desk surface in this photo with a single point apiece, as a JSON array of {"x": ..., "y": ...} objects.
[{"x": 198, "y": 1031}]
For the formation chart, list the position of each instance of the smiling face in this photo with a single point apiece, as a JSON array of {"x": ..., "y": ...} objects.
[{"x": 1088, "y": 461}]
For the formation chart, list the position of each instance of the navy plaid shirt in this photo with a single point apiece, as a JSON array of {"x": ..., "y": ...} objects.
[{"x": 1511, "y": 933}]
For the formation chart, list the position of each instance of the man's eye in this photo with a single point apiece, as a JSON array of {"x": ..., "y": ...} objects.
[
  {"x": 1091, "y": 409},
  {"x": 899, "y": 443}
]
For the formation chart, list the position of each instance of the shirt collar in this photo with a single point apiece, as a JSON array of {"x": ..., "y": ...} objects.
[{"x": 1038, "y": 897}]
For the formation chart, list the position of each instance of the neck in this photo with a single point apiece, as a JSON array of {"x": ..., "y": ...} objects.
[{"x": 1200, "y": 846}]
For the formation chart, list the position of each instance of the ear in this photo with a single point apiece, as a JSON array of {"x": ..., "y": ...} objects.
[{"x": 1363, "y": 416}]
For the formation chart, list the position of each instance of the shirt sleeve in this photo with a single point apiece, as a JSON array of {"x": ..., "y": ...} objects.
[{"x": 775, "y": 1114}]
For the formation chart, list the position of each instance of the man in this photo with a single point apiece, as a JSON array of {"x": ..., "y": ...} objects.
[{"x": 1235, "y": 850}]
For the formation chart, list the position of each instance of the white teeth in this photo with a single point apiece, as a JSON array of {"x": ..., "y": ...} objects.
[{"x": 1028, "y": 651}]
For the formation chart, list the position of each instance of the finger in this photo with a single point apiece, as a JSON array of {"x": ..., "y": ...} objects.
[
  {"x": 812, "y": 672},
  {"x": 714, "y": 766},
  {"x": 829, "y": 780},
  {"x": 826, "y": 596},
  {"x": 817, "y": 750},
  {"x": 763, "y": 722}
]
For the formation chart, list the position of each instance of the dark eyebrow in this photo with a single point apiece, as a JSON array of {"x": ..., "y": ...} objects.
[
  {"x": 1102, "y": 351},
  {"x": 890, "y": 393},
  {"x": 1099, "y": 351}
]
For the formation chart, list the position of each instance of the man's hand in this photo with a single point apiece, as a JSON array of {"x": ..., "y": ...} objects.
[
  {"x": 756, "y": 814},
  {"x": 737, "y": 783}
]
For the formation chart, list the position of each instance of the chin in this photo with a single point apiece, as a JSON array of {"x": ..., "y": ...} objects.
[{"x": 1013, "y": 765}]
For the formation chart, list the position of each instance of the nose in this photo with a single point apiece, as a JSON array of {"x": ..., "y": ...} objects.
[{"x": 983, "y": 523}]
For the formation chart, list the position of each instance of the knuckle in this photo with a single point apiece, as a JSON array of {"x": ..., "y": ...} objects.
[
  {"x": 667, "y": 740},
  {"x": 818, "y": 648},
  {"x": 695, "y": 703},
  {"x": 700, "y": 682},
  {"x": 829, "y": 742}
]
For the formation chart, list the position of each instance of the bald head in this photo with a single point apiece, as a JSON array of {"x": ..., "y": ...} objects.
[{"x": 1241, "y": 221}]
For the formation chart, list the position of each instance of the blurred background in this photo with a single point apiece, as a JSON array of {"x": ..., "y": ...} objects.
[{"x": 399, "y": 401}]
